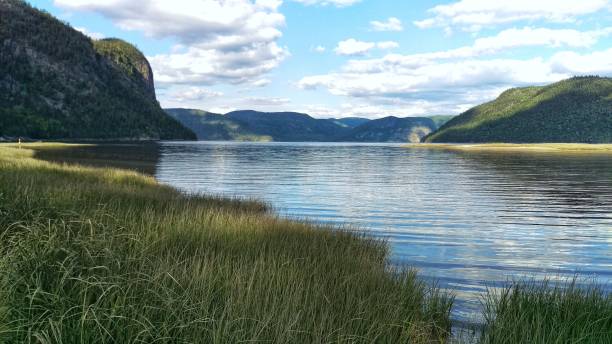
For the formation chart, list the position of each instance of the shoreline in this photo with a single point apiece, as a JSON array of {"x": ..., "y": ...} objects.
[{"x": 561, "y": 148}]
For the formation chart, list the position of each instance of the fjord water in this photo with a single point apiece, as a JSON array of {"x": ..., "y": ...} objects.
[{"x": 466, "y": 220}]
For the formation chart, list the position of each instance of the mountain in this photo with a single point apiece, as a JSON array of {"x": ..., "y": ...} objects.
[
  {"x": 577, "y": 110},
  {"x": 56, "y": 83},
  {"x": 295, "y": 127},
  {"x": 287, "y": 126},
  {"x": 214, "y": 127},
  {"x": 441, "y": 120},
  {"x": 350, "y": 122},
  {"x": 392, "y": 129}
]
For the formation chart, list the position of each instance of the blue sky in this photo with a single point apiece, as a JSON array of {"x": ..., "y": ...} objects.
[{"x": 340, "y": 58}]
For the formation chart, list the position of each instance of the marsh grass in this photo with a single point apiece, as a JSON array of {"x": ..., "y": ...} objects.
[
  {"x": 548, "y": 313},
  {"x": 110, "y": 256}
]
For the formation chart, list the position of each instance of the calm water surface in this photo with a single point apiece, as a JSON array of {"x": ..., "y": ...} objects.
[{"x": 467, "y": 220}]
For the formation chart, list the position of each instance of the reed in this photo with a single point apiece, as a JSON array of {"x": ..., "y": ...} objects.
[{"x": 91, "y": 255}]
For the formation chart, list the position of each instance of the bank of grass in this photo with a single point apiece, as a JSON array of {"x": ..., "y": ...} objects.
[
  {"x": 563, "y": 148},
  {"x": 548, "y": 313},
  {"x": 110, "y": 256}
]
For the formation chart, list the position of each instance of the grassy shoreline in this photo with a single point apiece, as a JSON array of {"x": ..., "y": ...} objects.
[
  {"x": 569, "y": 148},
  {"x": 94, "y": 255},
  {"x": 100, "y": 255}
]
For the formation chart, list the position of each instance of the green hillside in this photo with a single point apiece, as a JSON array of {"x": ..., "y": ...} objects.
[
  {"x": 392, "y": 129},
  {"x": 214, "y": 127},
  {"x": 577, "y": 110},
  {"x": 56, "y": 83},
  {"x": 441, "y": 120}
]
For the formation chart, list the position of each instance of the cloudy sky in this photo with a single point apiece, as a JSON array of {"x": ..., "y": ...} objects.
[{"x": 340, "y": 58}]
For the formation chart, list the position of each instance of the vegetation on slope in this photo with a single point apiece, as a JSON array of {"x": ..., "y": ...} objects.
[
  {"x": 577, "y": 110},
  {"x": 214, "y": 127},
  {"x": 441, "y": 120},
  {"x": 110, "y": 256},
  {"x": 55, "y": 84},
  {"x": 129, "y": 59},
  {"x": 392, "y": 129},
  {"x": 287, "y": 126},
  {"x": 292, "y": 127}
]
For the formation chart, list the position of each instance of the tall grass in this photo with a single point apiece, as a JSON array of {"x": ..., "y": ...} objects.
[
  {"x": 110, "y": 256},
  {"x": 548, "y": 313}
]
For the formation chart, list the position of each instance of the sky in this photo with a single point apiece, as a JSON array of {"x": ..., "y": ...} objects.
[{"x": 350, "y": 58}]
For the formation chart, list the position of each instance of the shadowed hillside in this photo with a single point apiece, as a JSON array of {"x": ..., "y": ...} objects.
[{"x": 56, "y": 83}]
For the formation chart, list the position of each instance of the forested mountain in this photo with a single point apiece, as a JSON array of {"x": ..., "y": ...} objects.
[
  {"x": 288, "y": 126},
  {"x": 392, "y": 129},
  {"x": 577, "y": 110},
  {"x": 294, "y": 127},
  {"x": 350, "y": 122},
  {"x": 210, "y": 126},
  {"x": 57, "y": 83}
]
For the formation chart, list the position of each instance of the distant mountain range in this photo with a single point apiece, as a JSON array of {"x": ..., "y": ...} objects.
[
  {"x": 57, "y": 83},
  {"x": 576, "y": 110},
  {"x": 295, "y": 127}
]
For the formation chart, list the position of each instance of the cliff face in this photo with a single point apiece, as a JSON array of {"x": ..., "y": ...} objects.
[
  {"x": 129, "y": 59},
  {"x": 56, "y": 83}
]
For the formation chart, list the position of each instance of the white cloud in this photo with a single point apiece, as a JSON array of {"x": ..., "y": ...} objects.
[
  {"x": 456, "y": 84},
  {"x": 507, "y": 39},
  {"x": 392, "y": 24},
  {"x": 266, "y": 101},
  {"x": 190, "y": 94},
  {"x": 599, "y": 62},
  {"x": 261, "y": 83},
  {"x": 473, "y": 14},
  {"x": 91, "y": 34},
  {"x": 337, "y": 3},
  {"x": 228, "y": 41},
  {"x": 319, "y": 49},
  {"x": 351, "y": 47}
]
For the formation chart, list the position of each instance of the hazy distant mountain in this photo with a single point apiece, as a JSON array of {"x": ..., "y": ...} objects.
[
  {"x": 392, "y": 129},
  {"x": 298, "y": 127},
  {"x": 574, "y": 110},
  {"x": 288, "y": 126},
  {"x": 214, "y": 127},
  {"x": 350, "y": 122},
  {"x": 57, "y": 83}
]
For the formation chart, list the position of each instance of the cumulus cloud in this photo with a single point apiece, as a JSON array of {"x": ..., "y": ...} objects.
[
  {"x": 91, "y": 34},
  {"x": 456, "y": 84},
  {"x": 504, "y": 40},
  {"x": 351, "y": 47},
  {"x": 319, "y": 49},
  {"x": 266, "y": 101},
  {"x": 391, "y": 24},
  {"x": 474, "y": 14},
  {"x": 337, "y": 3},
  {"x": 190, "y": 94},
  {"x": 229, "y": 41}
]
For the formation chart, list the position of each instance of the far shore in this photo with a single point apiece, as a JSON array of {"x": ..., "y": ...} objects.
[{"x": 518, "y": 147}]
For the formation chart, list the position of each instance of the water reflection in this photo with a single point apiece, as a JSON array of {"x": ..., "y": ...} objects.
[
  {"x": 468, "y": 220},
  {"x": 141, "y": 157}
]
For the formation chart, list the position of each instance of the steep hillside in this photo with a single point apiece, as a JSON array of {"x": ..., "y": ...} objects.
[
  {"x": 56, "y": 83},
  {"x": 441, "y": 120},
  {"x": 350, "y": 122},
  {"x": 129, "y": 59},
  {"x": 214, "y": 127},
  {"x": 577, "y": 110},
  {"x": 392, "y": 129},
  {"x": 288, "y": 126}
]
